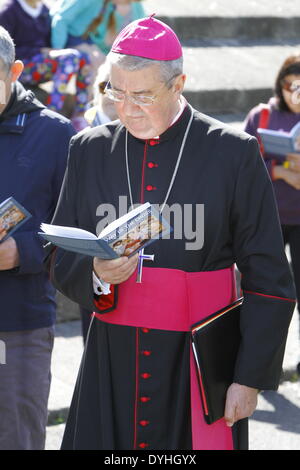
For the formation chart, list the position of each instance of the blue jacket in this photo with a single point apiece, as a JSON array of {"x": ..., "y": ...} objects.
[{"x": 33, "y": 154}]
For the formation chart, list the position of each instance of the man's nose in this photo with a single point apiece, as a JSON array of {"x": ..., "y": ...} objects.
[{"x": 128, "y": 104}]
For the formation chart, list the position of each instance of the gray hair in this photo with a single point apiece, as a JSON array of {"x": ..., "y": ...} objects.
[
  {"x": 7, "y": 49},
  {"x": 168, "y": 68}
]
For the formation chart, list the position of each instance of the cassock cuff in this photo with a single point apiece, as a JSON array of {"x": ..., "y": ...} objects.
[
  {"x": 100, "y": 287},
  {"x": 264, "y": 323}
]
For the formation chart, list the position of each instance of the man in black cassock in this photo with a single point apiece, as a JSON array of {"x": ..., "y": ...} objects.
[{"x": 135, "y": 387}]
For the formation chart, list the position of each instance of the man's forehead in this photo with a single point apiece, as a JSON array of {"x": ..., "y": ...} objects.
[{"x": 135, "y": 80}]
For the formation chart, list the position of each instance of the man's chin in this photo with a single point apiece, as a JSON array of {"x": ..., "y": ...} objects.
[{"x": 143, "y": 134}]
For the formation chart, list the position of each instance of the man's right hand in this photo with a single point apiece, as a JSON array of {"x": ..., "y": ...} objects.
[{"x": 115, "y": 271}]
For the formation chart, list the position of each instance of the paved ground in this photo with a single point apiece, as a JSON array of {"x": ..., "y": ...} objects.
[{"x": 276, "y": 423}]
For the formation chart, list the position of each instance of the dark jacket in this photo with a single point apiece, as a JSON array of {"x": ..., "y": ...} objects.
[{"x": 33, "y": 153}]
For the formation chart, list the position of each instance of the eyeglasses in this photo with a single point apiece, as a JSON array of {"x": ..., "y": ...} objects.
[
  {"x": 140, "y": 100},
  {"x": 101, "y": 87},
  {"x": 290, "y": 86}
]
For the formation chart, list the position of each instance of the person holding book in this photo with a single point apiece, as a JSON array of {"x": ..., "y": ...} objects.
[
  {"x": 137, "y": 386},
  {"x": 34, "y": 146},
  {"x": 283, "y": 113}
]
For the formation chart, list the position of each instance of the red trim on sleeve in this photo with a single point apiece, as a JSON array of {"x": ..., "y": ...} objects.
[
  {"x": 104, "y": 302},
  {"x": 269, "y": 296}
]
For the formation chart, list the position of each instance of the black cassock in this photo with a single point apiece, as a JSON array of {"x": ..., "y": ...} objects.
[{"x": 126, "y": 398}]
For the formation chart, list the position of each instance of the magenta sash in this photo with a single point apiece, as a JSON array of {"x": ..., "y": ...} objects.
[{"x": 173, "y": 300}]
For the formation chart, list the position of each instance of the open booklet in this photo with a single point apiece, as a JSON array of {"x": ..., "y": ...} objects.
[
  {"x": 280, "y": 142},
  {"x": 12, "y": 216},
  {"x": 123, "y": 237}
]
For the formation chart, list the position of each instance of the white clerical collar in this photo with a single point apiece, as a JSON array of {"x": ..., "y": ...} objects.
[{"x": 34, "y": 12}]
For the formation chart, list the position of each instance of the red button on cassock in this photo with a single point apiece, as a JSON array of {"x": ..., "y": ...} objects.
[
  {"x": 145, "y": 330},
  {"x": 154, "y": 141},
  {"x": 149, "y": 187},
  {"x": 143, "y": 445},
  {"x": 145, "y": 399},
  {"x": 152, "y": 165},
  {"x": 146, "y": 353},
  {"x": 145, "y": 375},
  {"x": 144, "y": 422}
]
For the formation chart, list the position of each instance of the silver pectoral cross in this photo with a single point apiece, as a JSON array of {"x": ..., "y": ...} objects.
[{"x": 142, "y": 258}]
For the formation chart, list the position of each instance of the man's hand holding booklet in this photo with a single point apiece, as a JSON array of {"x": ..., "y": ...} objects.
[
  {"x": 12, "y": 216},
  {"x": 123, "y": 237}
]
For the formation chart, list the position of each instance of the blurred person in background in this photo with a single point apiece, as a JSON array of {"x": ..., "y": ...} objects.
[
  {"x": 103, "y": 109},
  {"x": 92, "y": 25},
  {"x": 282, "y": 113},
  {"x": 29, "y": 24}
]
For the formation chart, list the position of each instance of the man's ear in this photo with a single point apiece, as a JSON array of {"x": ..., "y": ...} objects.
[
  {"x": 16, "y": 70},
  {"x": 179, "y": 84}
]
